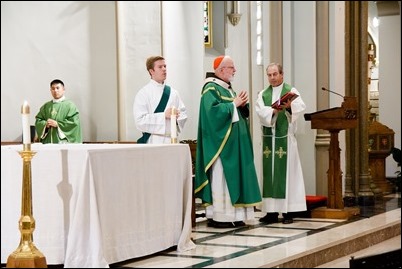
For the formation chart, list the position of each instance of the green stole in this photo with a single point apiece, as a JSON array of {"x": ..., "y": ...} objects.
[
  {"x": 160, "y": 108},
  {"x": 275, "y": 159}
]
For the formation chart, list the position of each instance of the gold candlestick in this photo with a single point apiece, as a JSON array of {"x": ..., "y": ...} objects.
[{"x": 26, "y": 255}]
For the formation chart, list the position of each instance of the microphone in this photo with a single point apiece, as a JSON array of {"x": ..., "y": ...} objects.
[{"x": 324, "y": 89}]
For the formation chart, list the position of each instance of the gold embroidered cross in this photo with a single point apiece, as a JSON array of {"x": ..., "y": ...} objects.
[
  {"x": 280, "y": 152},
  {"x": 53, "y": 113},
  {"x": 267, "y": 152}
]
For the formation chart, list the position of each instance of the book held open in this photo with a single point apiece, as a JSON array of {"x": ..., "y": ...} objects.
[{"x": 287, "y": 96}]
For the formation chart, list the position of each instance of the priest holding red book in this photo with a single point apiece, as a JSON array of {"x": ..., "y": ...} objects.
[{"x": 278, "y": 107}]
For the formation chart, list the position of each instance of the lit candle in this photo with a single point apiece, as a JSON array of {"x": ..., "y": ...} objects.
[
  {"x": 173, "y": 128},
  {"x": 26, "y": 131}
]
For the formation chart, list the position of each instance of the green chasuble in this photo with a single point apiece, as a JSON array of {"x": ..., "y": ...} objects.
[
  {"x": 67, "y": 116},
  {"x": 275, "y": 150},
  {"x": 219, "y": 137}
]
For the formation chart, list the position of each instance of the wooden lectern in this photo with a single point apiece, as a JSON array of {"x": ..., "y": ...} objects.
[{"x": 335, "y": 120}]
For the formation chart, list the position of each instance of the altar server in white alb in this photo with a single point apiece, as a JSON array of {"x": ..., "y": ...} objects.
[
  {"x": 283, "y": 184},
  {"x": 156, "y": 105}
]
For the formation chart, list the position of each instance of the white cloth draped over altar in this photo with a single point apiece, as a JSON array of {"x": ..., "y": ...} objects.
[{"x": 98, "y": 204}]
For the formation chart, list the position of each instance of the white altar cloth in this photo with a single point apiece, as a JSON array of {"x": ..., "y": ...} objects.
[{"x": 98, "y": 204}]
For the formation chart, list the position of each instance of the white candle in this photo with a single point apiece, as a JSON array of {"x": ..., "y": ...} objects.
[
  {"x": 236, "y": 7},
  {"x": 173, "y": 128},
  {"x": 26, "y": 131}
]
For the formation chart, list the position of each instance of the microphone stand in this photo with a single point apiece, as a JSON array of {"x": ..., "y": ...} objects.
[{"x": 324, "y": 89}]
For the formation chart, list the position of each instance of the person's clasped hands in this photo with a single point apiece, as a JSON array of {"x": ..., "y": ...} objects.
[
  {"x": 51, "y": 123},
  {"x": 241, "y": 99}
]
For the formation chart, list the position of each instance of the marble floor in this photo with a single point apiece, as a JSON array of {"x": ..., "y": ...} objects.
[
  {"x": 308, "y": 242},
  {"x": 383, "y": 247}
]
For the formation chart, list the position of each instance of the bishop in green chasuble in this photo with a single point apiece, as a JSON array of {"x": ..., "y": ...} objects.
[{"x": 219, "y": 137}]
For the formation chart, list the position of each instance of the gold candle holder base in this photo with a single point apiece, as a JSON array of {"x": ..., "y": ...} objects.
[
  {"x": 26, "y": 255},
  {"x": 173, "y": 140},
  {"x": 30, "y": 257}
]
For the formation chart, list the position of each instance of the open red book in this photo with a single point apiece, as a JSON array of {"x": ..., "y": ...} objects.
[{"x": 287, "y": 96}]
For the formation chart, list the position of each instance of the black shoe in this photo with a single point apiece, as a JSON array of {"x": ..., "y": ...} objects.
[
  {"x": 211, "y": 223},
  {"x": 239, "y": 224},
  {"x": 218, "y": 224},
  {"x": 287, "y": 221},
  {"x": 287, "y": 218},
  {"x": 270, "y": 218}
]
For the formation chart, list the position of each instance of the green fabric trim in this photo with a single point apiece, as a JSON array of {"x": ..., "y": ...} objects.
[
  {"x": 160, "y": 108},
  {"x": 275, "y": 159}
]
